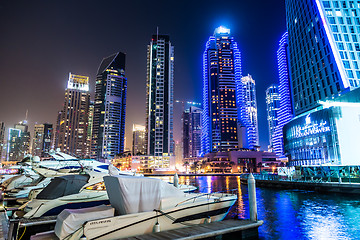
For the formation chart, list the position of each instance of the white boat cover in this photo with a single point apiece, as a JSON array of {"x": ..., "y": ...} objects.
[
  {"x": 129, "y": 194},
  {"x": 70, "y": 220}
]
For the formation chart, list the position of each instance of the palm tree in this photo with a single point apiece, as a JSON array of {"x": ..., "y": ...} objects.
[{"x": 186, "y": 164}]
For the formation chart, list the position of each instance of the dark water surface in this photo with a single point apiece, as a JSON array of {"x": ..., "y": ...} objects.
[{"x": 291, "y": 214}]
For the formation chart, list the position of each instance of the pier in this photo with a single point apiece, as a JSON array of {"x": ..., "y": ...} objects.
[{"x": 228, "y": 229}]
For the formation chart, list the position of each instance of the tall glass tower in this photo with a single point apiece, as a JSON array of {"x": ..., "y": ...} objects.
[
  {"x": 109, "y": 108},
  {"x": 272, "y": 108},
  {"x": 222, "y": 90},
  {"x": 248, "y": 108},
  {"x": 324, "y": 49},
  {"x": 192, "y": 132},
  {"x": 286, "y": 112},
  {"x": 159, "y": 97},
  {"x": 74, "y": 116},
  {"x": 43, "y": 135}
]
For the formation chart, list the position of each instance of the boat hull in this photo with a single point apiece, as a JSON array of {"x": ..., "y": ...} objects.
[{"x": 183, "y": 215}]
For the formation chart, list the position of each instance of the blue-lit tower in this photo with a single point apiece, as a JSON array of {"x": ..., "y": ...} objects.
[
  {"x": 109, "y": 108},
  {"x": 324, "y": 50},
  {"x": 285, "y": 113},
  {"x": 221, "y": 93},
  {"x": 272, "y": 108}
]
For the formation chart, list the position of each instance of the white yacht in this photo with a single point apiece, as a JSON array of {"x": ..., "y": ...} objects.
[
  {"x": 143, "y": 205},
  {"x": 68, "y": 192}
]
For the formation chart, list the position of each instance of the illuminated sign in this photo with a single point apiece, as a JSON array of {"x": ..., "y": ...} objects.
[{"x": 310, "y": 128}]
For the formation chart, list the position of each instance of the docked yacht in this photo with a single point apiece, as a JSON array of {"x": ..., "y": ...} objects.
[
  {"x": 143, "y": 205},
  {"x": 68, "y": 192}
]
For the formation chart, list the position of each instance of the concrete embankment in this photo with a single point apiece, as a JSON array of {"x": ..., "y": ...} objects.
[{"x": 353, "y": 188}]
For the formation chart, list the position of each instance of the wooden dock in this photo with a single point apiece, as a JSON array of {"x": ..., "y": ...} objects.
[{"x": 229, "y": 229}]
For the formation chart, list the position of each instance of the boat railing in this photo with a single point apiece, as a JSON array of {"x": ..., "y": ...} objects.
[{"x": 208, "y": 195}]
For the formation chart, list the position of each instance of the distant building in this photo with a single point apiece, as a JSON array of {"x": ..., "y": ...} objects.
[
  {"x": 18, "y": 142},
  {"x": 249, "y": 112},
  {"x": 2, "y": 139},
  {"x": 109, "y": 108},
  {"x": 286, "y": 111},
  {"x": 90, "y": 128},
  {"x": 138, "y": 144},
  {"x": 159, "y": 97},
  {"x": 221, "y": 93},
  {"x": 42, "y": 138},
  {"x": 242, "y": 161},
  {"x": 72, "y": 136},
  {"x": 192, "y": 132},
  {"x": 272, "y": 108},
  {"x": 57, "y": 131}
]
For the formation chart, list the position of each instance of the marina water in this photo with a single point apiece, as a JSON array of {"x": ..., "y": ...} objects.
[{"x": 290, "y": 214}]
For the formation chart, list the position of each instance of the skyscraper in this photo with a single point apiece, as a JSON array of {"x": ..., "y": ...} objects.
[
  {"x": 159, "y": 97},
  {"x": 221, "y": 93},
  {"x": 248, "y": 108},
  {"x": 74, "y": 116},
  {"x": 272, "y": 108},
  {"x": 90, "y": 128},
  {"x": 43, "y": 134},
  {"x": 109, "y": 108},
  {"x": 192, "y": 132},
  {"x": 2, "y": 138},
  {"x": 18, "y": 142},
  {"x": 324, "y": 49},
  {"x": 285, "y": 113},
  {"x": 138, "y": 144}
]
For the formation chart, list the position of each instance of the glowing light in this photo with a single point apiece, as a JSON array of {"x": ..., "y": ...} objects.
[{"x": 221, "y": 30}]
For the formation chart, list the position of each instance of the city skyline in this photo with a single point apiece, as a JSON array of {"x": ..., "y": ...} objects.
[{"x": 258, "y": 53}]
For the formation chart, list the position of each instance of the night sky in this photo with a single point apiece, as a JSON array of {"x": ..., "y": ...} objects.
[{"x": 42, "y": 41}]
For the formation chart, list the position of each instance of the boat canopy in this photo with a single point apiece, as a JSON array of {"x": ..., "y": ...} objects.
[
  {"x": 63, "y": 186},
  {"x": 129, "y": 194}
]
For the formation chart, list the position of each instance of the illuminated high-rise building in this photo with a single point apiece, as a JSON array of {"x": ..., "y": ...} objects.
[
  {"x": 192, "y": 132},
  {"x": 2, "y": 138},
  {"x": 138, "y": 144},
  {"x": 272, "y": 108},
  {"x": 72, "y": 136},
  {"x": 90, "y": 127},
  {"x": 159, "y": 97},
  {"x": 324, "y": 50},
  {"x": 221, "y": 93},
  {"x": 249, "y": 112},
  {"x": 285, "y": 113},
  {"x": 43, "y": 134},
  {"x": 18, "y": 142},
  {"x": 109, "y": 108}
]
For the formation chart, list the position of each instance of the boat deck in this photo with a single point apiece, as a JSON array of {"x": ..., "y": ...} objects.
[{"x": 240, "y": 229}]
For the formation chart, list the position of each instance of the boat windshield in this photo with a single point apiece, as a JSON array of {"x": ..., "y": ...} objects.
[{"x": 63, "y": 186}]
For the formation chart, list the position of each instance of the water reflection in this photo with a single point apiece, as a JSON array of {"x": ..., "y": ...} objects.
[{"x": 290, "y": 214}]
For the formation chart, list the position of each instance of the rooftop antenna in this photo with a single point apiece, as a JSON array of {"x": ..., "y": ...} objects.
[{"x": 157, "y": 33}]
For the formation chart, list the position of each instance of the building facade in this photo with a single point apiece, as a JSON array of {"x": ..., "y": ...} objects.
[
  {"x": 221, "y": 93},
  {"x": 72, "y": 136},
  {"x": 18, "y": 142},
  {"x": 272, "y": 109},
  {"x": 90, "y": 128},
  {"x": 326, "y": 135},
  {"x": 191, "y": 132},
  {"x": 285, "y": 113},
  {"x": 248, "y": 108},
  {"x": 109, "y": 108},
  {"x": 138, "y": 144},
  {"x": 2, "y": 139},
  {"x": 324, "y": 50},
  {"x": 159, "y": 97},
  {"x": 42, "y": 138}
]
